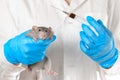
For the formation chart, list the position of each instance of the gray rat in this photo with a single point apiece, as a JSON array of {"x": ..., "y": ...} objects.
[
  {"x": 45, "y": 64},
  {"x": 38, "y": 70},
  {"x": 40, "y": 33}
]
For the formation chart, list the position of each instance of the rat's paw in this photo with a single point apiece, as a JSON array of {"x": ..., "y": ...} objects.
[{"x": 52, "y": 73}]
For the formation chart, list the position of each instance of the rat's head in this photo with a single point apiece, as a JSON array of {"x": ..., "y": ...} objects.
[{"x": 42, "y": 32}]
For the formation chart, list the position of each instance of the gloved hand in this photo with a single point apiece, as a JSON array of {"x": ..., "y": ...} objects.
[
  {"x": 98, "y": 46},
  {"x": 23, "y": 49}
]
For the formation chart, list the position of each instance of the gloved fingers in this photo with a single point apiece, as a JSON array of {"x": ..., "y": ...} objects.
[
  {"x": 97, "y": 51},
  {"x": 33, "y": 57},
  {"x": 108, "y": 63},
  {"x": 105, "y": 57},
  {"x": 89, "y": 32},
  {"x": 91, "y": 51},
  {"x": 32, "y": 48},
  {"x": 37, "y": 58},
  {"x": 99, "y": 29},
  {"x": 105, "y": 28},
  {"x": 83, "y": 47},
  {"x": 101, "y": 23},
  {"x": 85, "y": 39}
]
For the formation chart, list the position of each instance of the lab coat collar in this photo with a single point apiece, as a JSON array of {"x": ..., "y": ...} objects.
[
  {"x": 76, "y": 3},
  {"x": 61, "y": 4}
]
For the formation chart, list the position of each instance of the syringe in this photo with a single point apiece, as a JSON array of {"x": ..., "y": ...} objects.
[
  {"x": 77, "y": 18},
  {"x": 72, "y": 15}
]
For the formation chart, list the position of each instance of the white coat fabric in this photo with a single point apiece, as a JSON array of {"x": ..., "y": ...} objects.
[{"x": 67, "y": 59}]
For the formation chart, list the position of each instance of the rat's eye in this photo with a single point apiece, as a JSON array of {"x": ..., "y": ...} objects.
[
  {"x": 39, "y": 29},
  {"x": 45, "y": 30}
]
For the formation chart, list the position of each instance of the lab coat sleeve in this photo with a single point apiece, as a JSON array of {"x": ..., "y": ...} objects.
[
  {"x": 8, "y": 71},
  {"x": 114, "y": 26}
]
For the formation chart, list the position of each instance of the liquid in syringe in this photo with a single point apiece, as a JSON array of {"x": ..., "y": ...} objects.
[{"x": 75, "y": 17}]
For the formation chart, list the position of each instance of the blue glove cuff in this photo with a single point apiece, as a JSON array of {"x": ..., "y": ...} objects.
[{"x": 109, "y": 63}]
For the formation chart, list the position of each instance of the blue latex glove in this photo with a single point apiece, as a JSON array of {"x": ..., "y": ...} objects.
[
  {"x": 23, "y": 49},
  {"x": 98, "y": 46}
]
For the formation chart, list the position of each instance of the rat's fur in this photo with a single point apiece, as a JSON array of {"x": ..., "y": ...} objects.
[{"x": 40, "y": 33}]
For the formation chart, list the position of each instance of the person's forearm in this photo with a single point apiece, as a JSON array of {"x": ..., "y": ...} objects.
[{"x": 8, "y": 70}]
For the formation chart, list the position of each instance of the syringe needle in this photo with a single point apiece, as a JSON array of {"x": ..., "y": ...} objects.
[
  {"x": 61, "y": 10},
  {"x": 66, "y": 12}
]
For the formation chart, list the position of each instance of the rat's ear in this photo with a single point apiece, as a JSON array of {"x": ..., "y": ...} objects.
[
  {"x": 50, "y": 28},
  {"x": 34, "y": 27}
]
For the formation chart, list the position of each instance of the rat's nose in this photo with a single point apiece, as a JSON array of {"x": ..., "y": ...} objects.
[{"x": 42, "y": 36}]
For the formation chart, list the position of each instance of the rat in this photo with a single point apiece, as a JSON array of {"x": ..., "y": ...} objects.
[
  {"x": 45, "y": 64},
  {"x": 41, "y": 33}
]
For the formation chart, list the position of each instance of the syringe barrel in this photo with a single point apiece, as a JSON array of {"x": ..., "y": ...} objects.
[
  {"x": 82, "y": 20},
  {"x": 77, "y": 18}
]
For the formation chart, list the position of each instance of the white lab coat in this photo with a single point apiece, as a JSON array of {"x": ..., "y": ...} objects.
[{"x": 17, "y": 16}]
